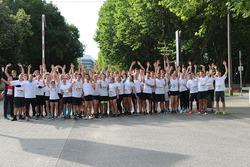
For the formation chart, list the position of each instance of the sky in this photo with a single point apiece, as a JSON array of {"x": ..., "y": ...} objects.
[{"x": 84, "y": 15}]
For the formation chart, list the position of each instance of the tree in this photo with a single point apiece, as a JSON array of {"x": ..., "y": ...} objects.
[
  {"x": 62, "y": 45},
  {"x": 14, "y": 30}
]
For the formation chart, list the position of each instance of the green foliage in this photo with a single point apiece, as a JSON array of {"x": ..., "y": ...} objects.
[
  {"x": 130, "y": 30},
  {"x": 62, "y": 45},
  {"x": 14, "y": 30}
]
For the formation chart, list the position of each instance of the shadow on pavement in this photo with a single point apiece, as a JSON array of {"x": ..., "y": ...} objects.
[{"x": 100, "y": 154}]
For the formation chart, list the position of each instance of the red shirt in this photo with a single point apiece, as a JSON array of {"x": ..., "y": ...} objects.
[{"x": 9, "y": 90}]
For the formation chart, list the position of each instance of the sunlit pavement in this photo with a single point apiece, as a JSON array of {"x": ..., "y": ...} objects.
[{"x": 131, "y": 141}]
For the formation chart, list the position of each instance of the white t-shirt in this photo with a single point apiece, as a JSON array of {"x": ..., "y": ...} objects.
[
  {"x": 128, "y": 87},
  {"x": 193, "y": 86},
  {"x": 210, "y": 83},
  {"x": 60, "y": 84},
  {"x": 47, "y": 91},
  {"x": 220, "y": 83},
  {"x": 30, "y": 89},
  {"x": 181, "y": 83},
  {"x": 120, "y": 87},
  {"x": 19, "y": 91},
  {"x": 202, "y": 84},
  {"x": 112, "y": 89},
  {"x": 65, "y": 89},
  {"x": 160, "y": 89},
  {"x": 39, "y": 91},
  {"x": 77, "y": 89},
  {"x": 137, "y": 86},
  {"x": 148, "y": 89},
  {"x": 174, "y": 85},
  {"x": 87, "y": 89},
  {"x": 107, "y": 80},
  {"x": 96, "y": 91},
  {"x": 104, "y": 89},
  {"x": 53, "y": 93}
]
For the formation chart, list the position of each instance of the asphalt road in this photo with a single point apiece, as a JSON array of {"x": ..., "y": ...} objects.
[{"x": 132, "y": 141}]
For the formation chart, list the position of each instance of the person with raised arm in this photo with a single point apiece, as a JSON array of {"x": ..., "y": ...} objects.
[
  {"x": 113, "y": 96},
  {"x": 137, "y": 101},
  {"x": 174, "y": 88},
  {"x": 147, "y": 92},
  {"x": 192, "y": 86},
  {"x": 202, "y": 90},
  {"x": 87, "y": 92},
  {"x": 103, "y": 96},
  {"x": 54, "y": 98},
  {"x": 184, "y": 93},
  {"x": 40, "y": 99},
  {"x": 160, "y": 92},
  {"x": 220, "y": 88},
  {"x": 210, "y": 86},
  {"x": 77, "y": 91},
  {"x": 67, "y": 97}
]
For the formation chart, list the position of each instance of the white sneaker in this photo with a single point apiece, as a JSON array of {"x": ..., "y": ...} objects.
[
  {"x": 86, "y": 118},
  {"x": 198, "y": 112},
  {"x": 90, "y": 117},
  {"x": 185, "y": 111},
  {"x": 181, "y": 111},
  {"x": 206, "y": 113}
]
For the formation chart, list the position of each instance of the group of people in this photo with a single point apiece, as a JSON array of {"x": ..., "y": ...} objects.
[{"x": 90, "y": 94}]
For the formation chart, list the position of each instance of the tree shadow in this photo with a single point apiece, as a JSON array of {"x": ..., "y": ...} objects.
[{"x": 90, "y": 153}]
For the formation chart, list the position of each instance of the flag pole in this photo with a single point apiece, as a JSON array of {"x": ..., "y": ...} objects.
[{"x": 43, "y": 44}]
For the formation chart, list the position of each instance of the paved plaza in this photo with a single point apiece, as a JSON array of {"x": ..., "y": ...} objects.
[{"x": 180, "y": 140}]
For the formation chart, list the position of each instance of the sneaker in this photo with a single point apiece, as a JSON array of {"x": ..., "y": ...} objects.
[
  {"x": 14, "y": 119},
  {"x": 205, "y": 113},
  {"x": 181, "y": 111},
  {"x": 56, "y": 118},
  {"x": 69, "y": 117},
  {"x": 23, "y": 116},
  {"x": 20, "y": 117},
  {"x": 185, "y": 111},
  {"x": 224, "y": 112},
  {"x": 190, "y": 112},
  {"x": 7, "y": 118},
  {"x": 101, "y": 115},
  {"x": 52, "y": 117},
  {"x": 86, "y": 117},
  {"x": 80, "y": 116},
  {"x": 29, "y": 116},
  {"x": 144, "y": 112},
  {"x": 90, "y": 117},
  {"x": 177, "y": 110},
  {"x": 42, "y": 116},
  {"x": 162, "y": 112},
  {"x": 216, "y": 112},
  {"x": 65, "y": 117},
  {"x": 34, "y": 117},
  {"x": 26, "y": 118},
  {"x": 168, "y": 110},
  {"x": 150, "y": 112},
  {"x": 212, "y": 111},
  {"x": 198, "y": 112},
  {"x": 74, "y": 117}
]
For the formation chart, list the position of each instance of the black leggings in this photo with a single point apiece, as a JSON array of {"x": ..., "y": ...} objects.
[
  {"x": 184, "y": 99},
  {"x": 29, "y": 101},
  {"x": 119, "y": 101},
  {"x": 9, "y": 100}
]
